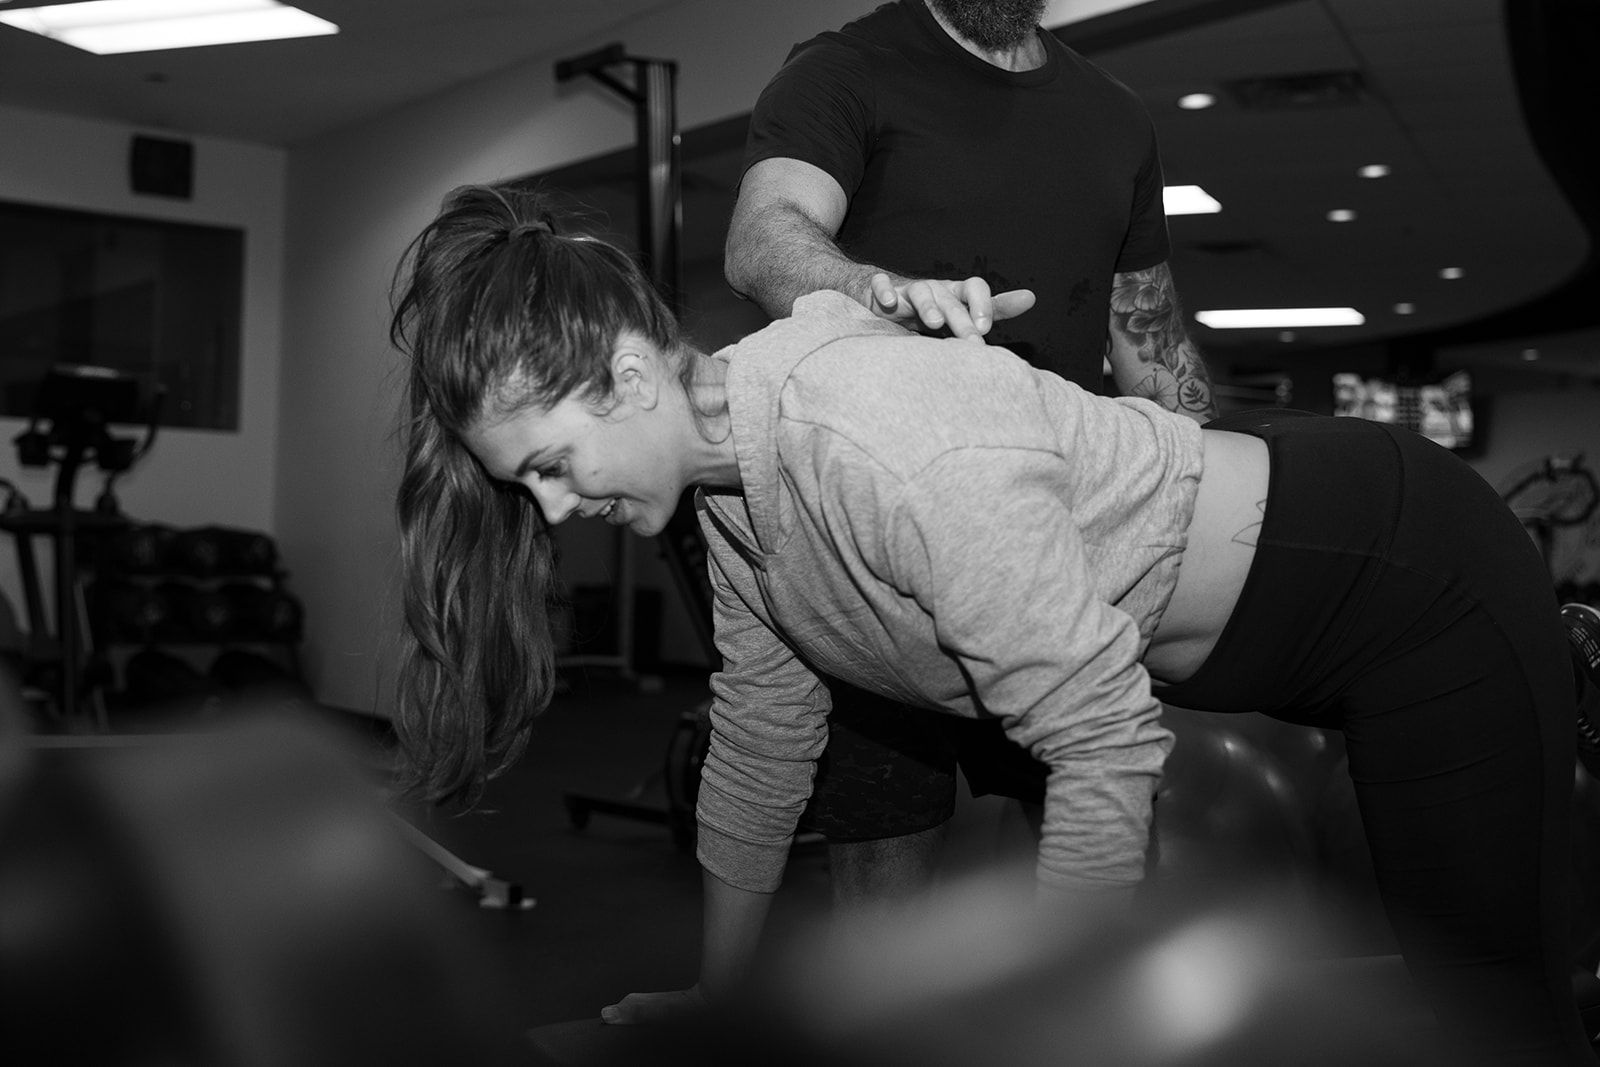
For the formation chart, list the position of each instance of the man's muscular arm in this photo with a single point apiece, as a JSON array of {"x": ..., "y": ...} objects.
[
  {"x": 781, "y": 240},
  {"x": 1149, "y": 348},
  {"x": 781, "y": 246}
]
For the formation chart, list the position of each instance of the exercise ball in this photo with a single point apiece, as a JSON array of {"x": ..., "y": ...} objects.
[{"x": 1227, "y": 816}]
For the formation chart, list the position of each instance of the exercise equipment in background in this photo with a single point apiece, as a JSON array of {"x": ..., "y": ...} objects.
[
  {"x": 1556, "y": 493},
  {"x": 195, "y": 617},
  {"x": 678, "y": 779},
  {"x": 493, "y": 892},
  {"x": 74, "y": 411}
]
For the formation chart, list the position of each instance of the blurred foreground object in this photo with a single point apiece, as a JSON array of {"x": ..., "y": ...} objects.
[
  {"x": 231, "y": 898},
  {"x": 984, "y": 975},
  {"x": 1257, "y": 939},
  {"x": 979, "y": 972}
]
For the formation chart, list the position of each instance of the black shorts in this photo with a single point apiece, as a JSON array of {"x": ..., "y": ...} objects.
[{"x": 890, "y": 770}]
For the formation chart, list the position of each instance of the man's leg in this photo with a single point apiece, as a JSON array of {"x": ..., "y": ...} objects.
[
  {"x": 995, "y": 766},
  {"x": 884, "y": 872},
  {"x": 885, "y": 788}
]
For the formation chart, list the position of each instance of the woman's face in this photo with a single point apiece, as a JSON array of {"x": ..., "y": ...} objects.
[{"x": 576, "y": 458}]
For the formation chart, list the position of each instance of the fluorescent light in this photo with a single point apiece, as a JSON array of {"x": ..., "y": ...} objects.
[
  {"x": 1196, "y": 101},
  {"x": 1279, "y": 318},
  {"x": 1450, "y": 274},
  {"x": 107, "y": 27},
  {"x": 1341, "y": 214},
  {"x": 1188, "y": 200},
  {"x": 1374, "y": 170}
]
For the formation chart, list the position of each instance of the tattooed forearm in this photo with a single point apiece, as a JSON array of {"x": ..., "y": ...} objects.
[{"x": 1149, "y": 348}]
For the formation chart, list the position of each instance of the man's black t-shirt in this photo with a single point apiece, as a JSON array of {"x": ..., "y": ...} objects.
[{"x": 1048, "y": 179}]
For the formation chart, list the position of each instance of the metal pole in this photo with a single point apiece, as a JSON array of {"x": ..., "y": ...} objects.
[{"x": 654, "y": 95}]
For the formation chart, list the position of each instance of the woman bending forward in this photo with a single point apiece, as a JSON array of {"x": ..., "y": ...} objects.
[{"x": 936, "y": 521}]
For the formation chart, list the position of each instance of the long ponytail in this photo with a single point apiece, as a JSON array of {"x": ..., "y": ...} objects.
[{"x": 498, "y": 311}]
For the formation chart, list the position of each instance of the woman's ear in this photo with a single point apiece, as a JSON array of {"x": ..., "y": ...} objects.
[{"x": 637, "y": 372}]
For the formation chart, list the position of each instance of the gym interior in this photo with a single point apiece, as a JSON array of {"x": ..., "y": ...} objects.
[{"x": 203, "y": 860}]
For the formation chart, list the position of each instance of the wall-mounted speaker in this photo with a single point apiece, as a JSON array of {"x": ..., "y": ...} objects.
[{"x": 161, "y": 167}]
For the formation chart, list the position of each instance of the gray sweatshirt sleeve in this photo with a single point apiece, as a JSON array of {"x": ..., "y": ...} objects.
[
  {"x": 769, "y": 717},
  {"x": 985, "y": 542}
]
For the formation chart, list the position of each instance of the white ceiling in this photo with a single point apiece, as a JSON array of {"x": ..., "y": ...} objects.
[
  {"x": 1468, "y": 188},
  {"x": 388, "y": 53}
]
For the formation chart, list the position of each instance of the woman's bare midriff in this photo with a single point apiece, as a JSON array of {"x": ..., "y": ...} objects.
[{"x": 1222, "y": 543}]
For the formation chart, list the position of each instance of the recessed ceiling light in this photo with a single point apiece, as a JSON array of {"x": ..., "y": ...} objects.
[
  {"x": 1278, "y": 318},
  {"x": 108, "y": 27},
  {"x": 1341, "y": 214},
  {"x": 1188, "y": 200},
  {"x": 1374, "y": 170},
  {"x": 1196, "y": 101},
  {"x": 1450, "y": 274},
  {"x": 1530, "y": 354},
  {"x": 1405, "y": 307}
]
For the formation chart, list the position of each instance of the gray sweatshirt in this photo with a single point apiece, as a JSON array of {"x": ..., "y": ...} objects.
[{"x": 937, "y": 521}]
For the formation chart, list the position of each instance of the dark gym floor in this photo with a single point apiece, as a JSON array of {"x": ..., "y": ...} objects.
[{"x": 617, "y": 902}]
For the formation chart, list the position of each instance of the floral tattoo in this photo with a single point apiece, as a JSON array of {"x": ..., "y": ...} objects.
[{"x": 1147, "y": 321}]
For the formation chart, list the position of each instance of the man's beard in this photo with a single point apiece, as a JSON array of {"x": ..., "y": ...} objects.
[{"x": 992, "y": 25}]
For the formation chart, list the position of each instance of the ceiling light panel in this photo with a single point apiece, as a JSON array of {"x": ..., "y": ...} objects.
[
  {"x": 1279, "y": 318},
  {"x": 1188, "y": 200},
  {"x": 108, "y": 27}
]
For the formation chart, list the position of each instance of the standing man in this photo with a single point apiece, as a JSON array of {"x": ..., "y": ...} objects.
[{"x": 947, "y": 163}]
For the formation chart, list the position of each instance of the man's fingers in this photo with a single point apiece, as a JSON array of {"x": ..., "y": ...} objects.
[
  {"x": 966, "y": 308},
  {"x": 924, "y": 299},
  {"x": 978, "y": 304},
  {"x": 961, "y": 307},
  {"x": 885, "y": 295},
  {"x": 1012, "y": 303}
]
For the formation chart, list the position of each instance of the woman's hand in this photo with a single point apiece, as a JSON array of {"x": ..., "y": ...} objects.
[
  {"x": 675, "y": 1006},
  {"x": 731, "y": 932}
]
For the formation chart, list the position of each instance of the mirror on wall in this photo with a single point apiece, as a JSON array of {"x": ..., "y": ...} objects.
[{"x": 159, "y": 299}]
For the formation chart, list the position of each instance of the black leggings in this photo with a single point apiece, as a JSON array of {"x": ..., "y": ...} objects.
[{"x": 1395, "y": 598}]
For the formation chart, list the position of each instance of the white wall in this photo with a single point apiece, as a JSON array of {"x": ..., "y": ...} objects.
[
  {"x": 355, "y": 198},
  {"x": 191, "y": 477}
]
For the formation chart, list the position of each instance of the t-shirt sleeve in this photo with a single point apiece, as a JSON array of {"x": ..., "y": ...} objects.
[
  {"x": 986, "y": 544},
  {"x": 1147, "y": 243},
  {"x": 817, "y": 109}
]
